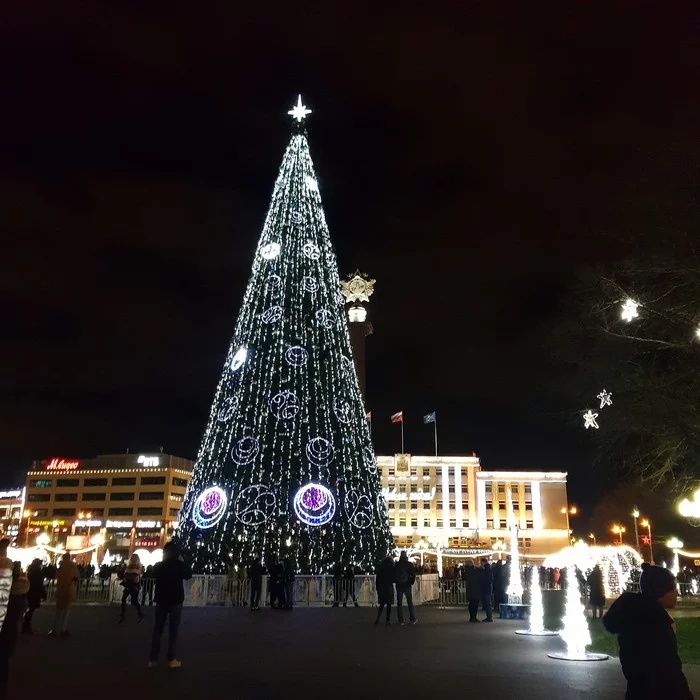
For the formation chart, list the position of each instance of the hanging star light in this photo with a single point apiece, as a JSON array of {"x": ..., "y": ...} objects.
[
  {"x": 299, "y": 111},
  {"x": 605, "y": 398},
  {"x": 589, "y": 419},
  {"x": 629, "y": 310}
]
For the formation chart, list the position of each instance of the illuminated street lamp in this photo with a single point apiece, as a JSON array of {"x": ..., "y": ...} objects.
[
  {"x": 618, "y": 530},
  {"x": 572, "y": 510},
  {"x": 591, "y": 536},
  {"x": 635, "y": 515},
  {"x": 499, "y": 547},
  {"x": 421, "y": 545},
  {"x": 647, "y": 524},
  {"x": 27, "y": 514},
  {"x": 690, "y": 509},
  {"x": 42, "y": 539},
  {"x": 674, "y": 544}
]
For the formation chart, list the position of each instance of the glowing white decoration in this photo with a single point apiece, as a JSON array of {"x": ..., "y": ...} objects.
[
  {"x": 357, "y": 314},
  {"x": 227, "y": 409},
  {"x": 605, "y": 398},
  {"x": 270, "y": 251},
  {"x": 342, "y": 409},
  {"x": 589, "y": 420},
  {"x": 245, "y": 450},
  {"x": 296, "y": 217},
  {"x": 285, "y": 405},
  {"x": 319, "y": 451},
  {"x": 310, "y": 284},
  {"x": 299, "y": 111},
  {"x": 369, "y": 459},
  {"x": 311, "y": 250},
  {"x": 254, "y": 505},
  {"x": 381, "y": 507},
  {"x": 690, "y": 509},
  {"x": 314, "y": 504},
  {"x": 359, "y": 509},
  {"x": 209, "y": 507},
  {"x": 271, "y": 315},
  {"x": 536, "y": 628},
  {"x": 273, "y": 284},
  {"x": 325, "y": 318},
  {"x": 239, "y": 358},
  {"x": 311, "y": 183},
  {"x": 697, "y": 335},
  {"x": 148, "y": 461},
  {"x": 296, "y": 356},
  {"x": 629, "y": 310}
]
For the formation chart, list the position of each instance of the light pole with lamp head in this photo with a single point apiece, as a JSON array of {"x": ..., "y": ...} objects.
[
  {"x": 647, "y": 524},
  {"x": 635, "y": 515},
  {"x": 618, "y": 530},
  {"x": 591, "y": 536}
]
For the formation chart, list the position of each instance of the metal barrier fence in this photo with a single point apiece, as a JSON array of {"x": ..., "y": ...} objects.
[{"x": 308, "y": 591}]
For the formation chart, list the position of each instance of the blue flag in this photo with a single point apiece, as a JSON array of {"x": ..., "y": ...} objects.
[{"x": 429, "y": 418}]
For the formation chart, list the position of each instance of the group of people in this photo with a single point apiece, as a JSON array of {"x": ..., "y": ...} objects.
[
  {"x": 281, "y": 575},
  {"x": 402, "y": 575}
]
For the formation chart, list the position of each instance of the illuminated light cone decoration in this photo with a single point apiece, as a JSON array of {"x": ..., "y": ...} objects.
[
  {"x": 536, "y": 628},
  {"x": 287, "y": 454}
]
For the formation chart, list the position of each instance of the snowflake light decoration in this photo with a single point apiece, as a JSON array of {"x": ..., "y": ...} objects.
[
  {"x": 605, "y": 398},
  {"x": 589, "y": 419},
  {"x": 629, "y": 310}
]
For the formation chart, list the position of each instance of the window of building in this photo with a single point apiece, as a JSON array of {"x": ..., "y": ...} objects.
[
  {"x": 438, "y": 488},
  {"x": 465, "y": 488},
  {"x": 501, "y": 488},
  {"x": 414, "y": 505},
  {"x": 174, "y": 512},
  {"x": 438, "y": 504},
  {"x": 426, "y": 522},
  {"x": 95, "y": 482},
  {"x": 94, "y": 496},
  {"x": 414, "y": 522},
  {"x": 502, "y": 524},
  {"x": 516, "y": 505},
  {"x": 175, "y": 497},
  {"x": 121, "y": 511},
  {"x": 489, "y": 524},
  {"x": 528, "y": 542},
  {"x": 124, "y": 481},
  {"x": 152, "y": 480},
  {"x": 41, "y": 513},
  {"x": 127, "y": 496},
  {"x": 150, "y": 511},
  {"x": 488, "y": 488},
  {"x": 528, "y": 524},
  {"x": 40, "y": 483},
  {"x": 453, "y": 523},
  {"x": 38, "y": 497},
  {"x": 439, "y": 523},
  {"x": 414, "y": 471},
  {"x": 96, "y": 512},
  {"x": 451, "y": 488},
  {"x": 414, "y": 488},
  {"x": 528, "y": 488},
  {"x": 63, "y": 511},
  {"x": 489, "y": 505},
  {"x": 67, "y": 482},
  {"x": 151, "y": 495},
  {"x": 426, "y": 505},
  {"x": 179, "y": 482},
  {"x": 402, "y": 522}
]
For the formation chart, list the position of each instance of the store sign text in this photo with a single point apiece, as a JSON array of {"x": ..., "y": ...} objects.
[
  {"x": 10, "y": 494},
  {"x": 62, "y": 465},
  {"x": 47, "y": 523},
  {"x": 88, "y": 523},
  {"x": 149, "y": 461},
  {"x": 390, "y": 494}
]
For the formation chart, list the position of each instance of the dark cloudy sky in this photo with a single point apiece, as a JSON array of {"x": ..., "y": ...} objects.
[{"x": 470, "y": 155}]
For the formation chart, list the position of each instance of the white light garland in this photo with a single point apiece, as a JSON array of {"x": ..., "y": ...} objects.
[{"x": 270, "y": 251}]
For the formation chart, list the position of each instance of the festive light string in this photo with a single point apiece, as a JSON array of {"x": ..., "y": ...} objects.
[{"x": 287, "y": 411}]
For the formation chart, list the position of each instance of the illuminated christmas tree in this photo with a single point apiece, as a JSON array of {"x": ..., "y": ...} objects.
[{"x": 286, "y": 465}]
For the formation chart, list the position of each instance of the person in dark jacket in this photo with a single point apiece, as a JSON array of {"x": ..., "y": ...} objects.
[
  {"x": 290, "y": 568},
  {"x": 338, "y": 571},
  {"x": 255, "y": 574},
  {"x": 385, "y": 588},
  {"x": 647, "y": 638},
  {"x": 147, "y": 585},
  {"x": 486, "y": 590},
  {"x": 349, "y": 585},
  {"x": 501, "y": 579},
  {"x": 472, "y": 578},
  {"x": 36, "y": 593},
  {"x": 405, "y": 577},
  {"x": 170, "y": 594},
  {"x": 597, "y": 595}
]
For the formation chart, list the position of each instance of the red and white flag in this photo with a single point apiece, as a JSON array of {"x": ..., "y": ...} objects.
[
  {"x": 397, "y": 417},
  {"x": 368, "y": 415}
]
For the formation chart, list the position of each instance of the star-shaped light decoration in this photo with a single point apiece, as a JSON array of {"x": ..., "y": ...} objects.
[
  {"x": 605, "y": 398},
  {"x": 589, "y": 419},
  {"x": 357, "y": 286},
  {"x": 299, "y": 111},
  {"x": 629, "y": 310}
]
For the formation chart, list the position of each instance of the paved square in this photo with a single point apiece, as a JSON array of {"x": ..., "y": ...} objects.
[{"x": 307, "y": 653}]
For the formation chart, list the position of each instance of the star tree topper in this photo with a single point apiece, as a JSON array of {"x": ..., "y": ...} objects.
[
  {"x": 589, "y": 419},
  {"x": 299, "y": 111},
  {"x": 605, "y": 398},
  {"x": 357, "y": 287}
]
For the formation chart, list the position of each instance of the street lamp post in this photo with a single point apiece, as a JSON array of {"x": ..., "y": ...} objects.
[
  {"x": 573, "y": 510},
  {"x": 619, "y": 530},
  {"x": 591, "y": 536},
  {"x": 647, "y": 524},
  {"x": 635, "y": 515},
  {"x": 27, "y": 514}
]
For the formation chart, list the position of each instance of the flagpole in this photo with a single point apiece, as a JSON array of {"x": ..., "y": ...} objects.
[
  {"x": 402, "y": 448},
  {"x": 435, "y": 422}
]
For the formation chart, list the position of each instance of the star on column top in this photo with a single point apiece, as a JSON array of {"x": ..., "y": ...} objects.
[{"x": 299, "y": 111}]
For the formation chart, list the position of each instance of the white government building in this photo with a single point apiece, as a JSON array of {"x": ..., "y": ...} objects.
[{"x": 449, "y": 503}]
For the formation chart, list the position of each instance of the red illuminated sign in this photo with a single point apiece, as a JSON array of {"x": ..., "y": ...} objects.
[
  {"x": 62, "y": 465},
  {"x": 146, "y": 543}
]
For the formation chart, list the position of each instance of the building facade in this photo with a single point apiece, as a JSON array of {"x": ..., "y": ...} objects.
[
  {"x": 11, "y": 513},
  {"x": 132, "y": 500},
  {"x": 451, "y": 504}
]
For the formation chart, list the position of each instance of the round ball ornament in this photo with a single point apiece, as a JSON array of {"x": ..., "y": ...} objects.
[
  {"x": 227, "y": 409},
  {"x": 245, "y": 450},
  {"x": 342, "y": 409},
  {"x": 359, "y": 509},
  {"x": 310, "y": 284},
  {"x": 369, "y": 460},
  {"x": 271, "y": 315},
  {"x": 296, "y": 217},
  {"x": 273, "y": 284},
  {"x": 296, "y": 356},
  {"x": 325, "y": 318},
  {"x": 285, "y": 405},
  {"x": 319, "y": 451},
  {"x": 314, "y": 504},
  {"x": 270, "y": 251},
  {"x": 254, "y": 505},
  {"x": 311, "y": 250},
  {"x": 209, "y": 507}
]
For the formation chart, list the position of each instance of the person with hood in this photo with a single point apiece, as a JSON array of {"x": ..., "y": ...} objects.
[
  {"x": 486, "y": 590},
  {"x": 36, "y": 593},
  {"x": 385, "y": 588},
  {"x": 405, "y": 576},
  {"x": 646, "y": 635},
  {"x": 132, "y": 583},
  {"x": 597, "y": 595},
  {"x": 66, "y": 579},
  {"x": 472, "y": 579}
]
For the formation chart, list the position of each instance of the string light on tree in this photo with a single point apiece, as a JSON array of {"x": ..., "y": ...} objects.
[
  {"x": 629, "y": 310},
  {"x": 589, "y": 420},
  {"x": 605, "y": 398},
  {"x": 287, "y": 441}
]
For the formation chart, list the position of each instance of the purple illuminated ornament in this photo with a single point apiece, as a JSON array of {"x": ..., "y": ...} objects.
[
  {"x": 314, "y": 504},
  {"x": 209, "y": 507}
]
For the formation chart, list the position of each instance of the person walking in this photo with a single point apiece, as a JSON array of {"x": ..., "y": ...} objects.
[
  {"x": 132, "y": 583},
  {"x": 405, "y": 578},
  {"x": 595, "y": 582},
  {"x": 646, "y": 635},
  {"x": 385, "y": 588},
  {"x": 36, "y": 593},
  {"x": 66, "y": 579},
  {"x": 169, "y": 575},
  {"x": 486, "y": 590},
  {"x": 255, "y": 574},
  {"x": 349, "y": 585},
  {"x": 472, "y": 579}
]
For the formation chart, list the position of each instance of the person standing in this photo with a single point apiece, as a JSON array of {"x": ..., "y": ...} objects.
[
  {"x": 385, "y": 588},
  {"x": 486, "y": 590},
  {"x": 647, "y": 637},
  {"x": 66, "y": 579},
  {"x": 147, "y": 584},
  {"x": 255, "y": 574},
  {"x": 472, "y": 579},
  {"x": 595, "y": 582},
  {"x": 169, "y": 575},
  {"x": 337, "y": 583},
  {"x": 405, "y": 578},
  {"x": 36, "y": 593},
  {"x": 290, "y": 567},
  {"x": 132, "y": 583},
  {"x": 349, "y": 584}
]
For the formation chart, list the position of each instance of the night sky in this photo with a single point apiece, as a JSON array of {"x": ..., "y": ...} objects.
[{"x": 469, "y": 158}]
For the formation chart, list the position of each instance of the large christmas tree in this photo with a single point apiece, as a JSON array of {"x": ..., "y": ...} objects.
[{"x": 286, "y": 465}]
